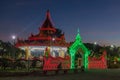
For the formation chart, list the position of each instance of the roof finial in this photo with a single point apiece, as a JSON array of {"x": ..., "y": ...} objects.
[
  {"x": 48, "y": 14},
  {"x": 78, "y": 30},
  {"x": 78, "y": 37}
]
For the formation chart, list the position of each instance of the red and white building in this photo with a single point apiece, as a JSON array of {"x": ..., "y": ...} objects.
[{"x": 48, "y": 36}]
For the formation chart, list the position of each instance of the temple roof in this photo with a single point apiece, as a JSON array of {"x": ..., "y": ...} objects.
[
  {"x": 47, "y": 24},
  {"x": 46, "y": 33}
]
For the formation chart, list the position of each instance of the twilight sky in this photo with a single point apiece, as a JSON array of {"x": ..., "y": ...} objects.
[{"x": 98, "y": 20}]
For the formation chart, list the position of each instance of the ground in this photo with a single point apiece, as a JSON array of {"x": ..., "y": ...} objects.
[{"x": 113, "y": 74}]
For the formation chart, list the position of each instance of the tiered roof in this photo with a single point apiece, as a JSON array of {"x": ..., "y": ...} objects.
[
  {"x": 48, "y": 35},
  {"x": 47, "y": 25}
]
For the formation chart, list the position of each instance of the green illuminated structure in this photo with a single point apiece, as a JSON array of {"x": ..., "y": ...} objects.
[{"x": 74, "y": 48}]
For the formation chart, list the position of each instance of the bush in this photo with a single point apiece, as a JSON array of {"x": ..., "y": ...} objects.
[{"x": 112, "y": 65}]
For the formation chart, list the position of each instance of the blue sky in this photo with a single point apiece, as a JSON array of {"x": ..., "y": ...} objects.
[{"x": 98, "y": 20}]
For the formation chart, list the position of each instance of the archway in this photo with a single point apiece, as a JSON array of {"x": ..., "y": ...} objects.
[
  {"x": 74, "y": 48},
  {"x": 78, "y": 58}
]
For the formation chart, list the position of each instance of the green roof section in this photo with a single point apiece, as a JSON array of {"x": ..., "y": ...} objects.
[{"x": 78, "y": 37}]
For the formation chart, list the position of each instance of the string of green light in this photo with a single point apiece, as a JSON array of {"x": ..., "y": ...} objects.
[{"x": 74, "y": 47}]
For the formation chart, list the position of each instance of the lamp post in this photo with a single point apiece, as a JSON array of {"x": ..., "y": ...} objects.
[
  {"x": 112, "y": 46},
  {"x": 95, "y": 43},
  {"x": 1, "y": 49},
  {"x": 13, "y": 38},
  {"x": 114, "y": 51}
]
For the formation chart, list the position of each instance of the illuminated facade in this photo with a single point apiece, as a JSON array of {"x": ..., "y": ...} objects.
[
  {"x": 50, "y": 43},
  {"x": 79, "y": 48},
  {"x": 48, "y": 36},
  {"x": 80, "y": 56}
]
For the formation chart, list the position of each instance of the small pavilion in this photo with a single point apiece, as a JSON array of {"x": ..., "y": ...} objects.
[{"x": 79, "y": 48}]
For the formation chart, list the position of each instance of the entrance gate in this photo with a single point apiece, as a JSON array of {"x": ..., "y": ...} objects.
[{"x": 85, "y": 52}]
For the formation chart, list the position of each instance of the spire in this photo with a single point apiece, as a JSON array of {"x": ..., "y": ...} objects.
[
  {"x": 78, "y": 37},
  {"x": 78, "y": 30},
  {"x": 48, "y": 22},
  {"x": 48, "y": 14}
]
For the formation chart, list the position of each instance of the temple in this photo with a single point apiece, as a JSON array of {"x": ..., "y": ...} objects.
[
  {"x": 48, "y": 36},
  {"x": 50, "y": 44}
]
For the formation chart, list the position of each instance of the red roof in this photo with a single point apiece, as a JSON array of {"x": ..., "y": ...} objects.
[
  {"x": 46, "y": 32},
  {"x": 47, "y": 24}
]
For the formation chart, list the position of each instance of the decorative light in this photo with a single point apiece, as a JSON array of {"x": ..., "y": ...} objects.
[{"x": 53, "y": 39}]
